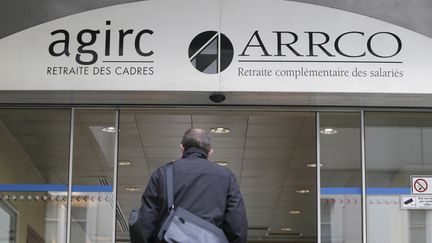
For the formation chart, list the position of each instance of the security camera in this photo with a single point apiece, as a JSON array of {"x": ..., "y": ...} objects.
[{"x": 217, "y": 97}]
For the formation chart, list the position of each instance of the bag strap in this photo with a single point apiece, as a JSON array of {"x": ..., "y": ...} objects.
[{"x": 170, "y": 185}]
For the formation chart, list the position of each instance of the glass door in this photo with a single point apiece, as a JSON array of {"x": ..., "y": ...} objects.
[
  {"x": 93, "y": 202},
  {"x": 341, "y": 177},
  {"x": 34, "y": 155},
  {"x": 269, "y": 152},
  {"x": 398, "y": 146}
]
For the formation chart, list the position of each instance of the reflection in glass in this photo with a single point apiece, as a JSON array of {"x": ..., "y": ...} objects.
[
  {"x": 34, "y": 149},
  {"x": 397, "y": 146},
  {"x": 340, "y": 177}
]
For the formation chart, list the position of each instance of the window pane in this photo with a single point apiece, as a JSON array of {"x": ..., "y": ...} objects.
[
  {"x": 93, "y": 171},
  {"x": 398, "y": 145},
  {"x": 340, "y": 177},
  {"x": 34, "y": 154}
]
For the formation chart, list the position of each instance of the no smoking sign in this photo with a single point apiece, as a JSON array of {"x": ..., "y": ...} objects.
[{"x": 421, "y": 185}]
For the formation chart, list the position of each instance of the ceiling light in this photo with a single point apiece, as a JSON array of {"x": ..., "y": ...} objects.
[
  {"x": 294, "y": 212},
  {"x": 221, "y": 163},
  {"x": 133, "y": 189},
  {"x": 286, "y": 229},
  {"x": 303, "y": 191},
  {"x": 328, "y": 131},
  {"x": 312, "y": 165},
  {"x": 124, "y": 162},
  {"x": 109, "y": 129},
  {"x": 220, "y": 130}
]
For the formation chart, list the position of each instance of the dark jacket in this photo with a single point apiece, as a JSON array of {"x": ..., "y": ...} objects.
[{"x": 203, "y": 188}]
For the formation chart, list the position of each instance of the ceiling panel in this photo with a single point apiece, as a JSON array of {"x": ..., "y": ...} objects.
[
  {"x": 221, "y": 117},
  {"x": 227, "y": 154},
  {"x": 51, "y": 162},
  {"x": 127, "y": 116},
  {"x": 161, "y": 141},
  {"x": 259, "y": 220},
  {"x": 296, "y": 202},
  {"x": 28, "y": 140},
  {"x": 260, "y": 189},
  {"x": 260, "y": 204},
  {"x": 264, "y": 173},
  {"x": 227, "y": 141},
  {"x": 136, "y": 161},
  {"x": 47, "y": 115},
  {"x": 237, "y": 130},
  {"x": 274, "y": 130},
  {"x": 135, "y": 151},
  {"x": 271, "y": 142},
  {"x": 261, "y": 197},
  {"x": 17, "y": 126},
  {"x": 129, "y": 196},
  {"x": 156, "y": 162},
  {"x": 162, "y": 129},
  {"x": 300, "y": 177},
  {"x": 128, "y": 129},
  {"x": 133, "y": 172},
  {"x": 153, "y": 152},
  {"x": 260, "y": 213},
  {"x": 266, "y": 163},
  {"x": 284, "y": 118},
  {"x": 50, "y": 128},
  {"x": 82, "y": 140},
  {"x": 130, "y": 140},
  {"x": 139, "y": 180},
  {"x": 96, "y": 116},
  {"x": 269, "y": 153},
  {"x": 265, "y": 181},
  {"x": 85, "y": 161},
  {"x": 162, "y": 118},
  {"x": 85, "y": 151},
  {"x": 303, "y": 156}
]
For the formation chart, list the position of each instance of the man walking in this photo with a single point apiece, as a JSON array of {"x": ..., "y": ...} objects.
[{"x": 200, "y": 186}]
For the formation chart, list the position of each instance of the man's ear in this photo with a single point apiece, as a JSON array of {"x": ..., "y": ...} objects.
[
  {"x": 182, "y": 148},
  {"x": 210, "y": 152}
]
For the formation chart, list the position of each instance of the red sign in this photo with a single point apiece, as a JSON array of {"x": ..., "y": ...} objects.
[{"x": 420, "y": 185}]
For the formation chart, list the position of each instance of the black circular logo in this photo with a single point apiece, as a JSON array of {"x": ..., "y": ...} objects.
[{"x": 211, "y": 52}]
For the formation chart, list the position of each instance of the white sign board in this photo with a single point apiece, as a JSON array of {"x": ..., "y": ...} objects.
[
  {"x": 194, "y": 45},
  {"x": 421, "y": 185},
  {"x": 416, "y": 202}
]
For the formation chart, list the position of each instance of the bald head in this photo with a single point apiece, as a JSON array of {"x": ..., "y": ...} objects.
[{"x": 198, "y": 138}]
